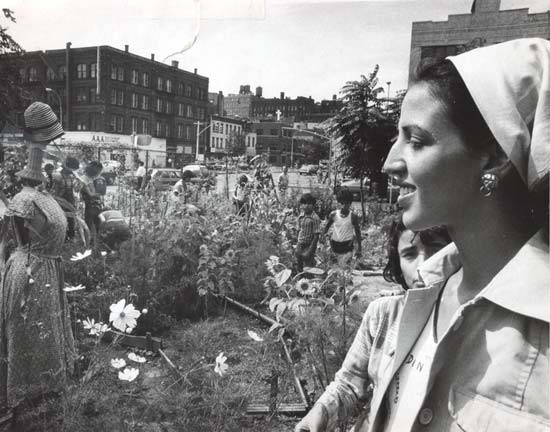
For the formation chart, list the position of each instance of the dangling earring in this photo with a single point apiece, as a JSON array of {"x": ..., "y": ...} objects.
[{"x": 489, "y": 182}]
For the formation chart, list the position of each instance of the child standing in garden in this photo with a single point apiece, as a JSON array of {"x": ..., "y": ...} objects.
[
  {"x": 345, "y": 228},
  {"x": 308, "y": 233}
]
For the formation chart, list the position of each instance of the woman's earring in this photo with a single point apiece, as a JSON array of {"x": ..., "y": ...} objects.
[{"x": 489, "y": 182}]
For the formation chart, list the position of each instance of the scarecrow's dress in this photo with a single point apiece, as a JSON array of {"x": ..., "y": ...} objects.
[{"x": 36, "y": 341}]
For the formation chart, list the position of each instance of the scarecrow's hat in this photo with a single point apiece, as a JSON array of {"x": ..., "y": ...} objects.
[{"x": 41, "y": 124}]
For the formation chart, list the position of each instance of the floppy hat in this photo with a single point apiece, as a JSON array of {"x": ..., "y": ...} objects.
[
  {"x": 41, "y": 124},
  {"x": 33, "y": 169}
]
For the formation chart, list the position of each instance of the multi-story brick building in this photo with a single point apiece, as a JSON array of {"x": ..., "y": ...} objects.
[
  {"x": 105, "y": 89},
  {"x": 485, "y": 25}
]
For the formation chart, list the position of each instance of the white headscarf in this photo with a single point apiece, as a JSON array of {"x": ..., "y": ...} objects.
[{"x": 510, "y": 84}]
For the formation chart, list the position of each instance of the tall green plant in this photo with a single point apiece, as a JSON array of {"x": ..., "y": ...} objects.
[{"x": 365, "y": 130}]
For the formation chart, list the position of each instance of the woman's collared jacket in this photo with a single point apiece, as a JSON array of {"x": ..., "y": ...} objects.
[{"x": 490, "y": 370}]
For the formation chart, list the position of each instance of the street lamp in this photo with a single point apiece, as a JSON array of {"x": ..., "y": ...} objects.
[
  {"x": 51, "y": 90},
  {"x": 199, "y": 133}
]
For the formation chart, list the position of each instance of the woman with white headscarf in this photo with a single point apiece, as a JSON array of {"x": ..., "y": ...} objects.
[{"x": 469, "y": 350}]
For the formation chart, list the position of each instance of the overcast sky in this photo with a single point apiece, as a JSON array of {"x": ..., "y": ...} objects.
[{"x": 304, "y": 48}]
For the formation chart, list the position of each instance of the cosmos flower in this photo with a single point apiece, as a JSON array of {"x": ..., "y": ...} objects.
[
  {"x": 124, "y": 317},
  {"x": 103, "y": 253},
  {"x": 253, "y": 335},
  {"x": 118, "y": 363},
  {"x": 136, "y": 358},
  {"x": 80, "y": 256},
  {"x": 203, "y": 249},
  {"x": 96, "y": 328},
  {"x": 74, "y": 288},
  {"x": 128, "y": 374},
  {"x": 220, "y": 367},
  {"x": 230, "y": 254}
]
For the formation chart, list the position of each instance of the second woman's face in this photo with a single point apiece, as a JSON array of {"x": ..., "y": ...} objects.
[{"x": 439, "y": 178}]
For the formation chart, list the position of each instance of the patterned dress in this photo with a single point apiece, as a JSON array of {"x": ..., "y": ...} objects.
[{"x": 36, "y": 341}]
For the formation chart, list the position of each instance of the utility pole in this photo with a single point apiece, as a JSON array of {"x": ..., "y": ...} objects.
[{"x": 198, "y": 123}]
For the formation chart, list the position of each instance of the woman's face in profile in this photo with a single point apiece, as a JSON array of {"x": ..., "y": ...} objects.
[{"x": 439, "y": 177}]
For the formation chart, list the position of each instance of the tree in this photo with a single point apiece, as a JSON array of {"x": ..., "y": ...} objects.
[
  {"x": 236, "y": 145},
  {"x": 365, "y": 127},
  {"x": 11, "y": 92}
]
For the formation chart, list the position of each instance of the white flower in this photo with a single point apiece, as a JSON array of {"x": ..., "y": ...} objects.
[
  {"x": 255, "y": 336},
  {"x": 144, "y": 311},
  {"x": 74, "y": 288},
  {"x": 80, "y": 256},
  {"x": 124, "y": 317},
  {"x": 271, "y": 262},
  {"x": 96, "y": 328},
  {"x": 128, "y": 374},
  {"x": 220, "y": 367},
  {"x": 136, "y": 358},
  {"x": 31, "y": 281},
  {"x": 103, "y": 253},
  {"x": 118, "y": 363}
]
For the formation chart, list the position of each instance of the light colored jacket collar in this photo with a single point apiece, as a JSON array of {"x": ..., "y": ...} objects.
[{"x": 522, "y": 286}]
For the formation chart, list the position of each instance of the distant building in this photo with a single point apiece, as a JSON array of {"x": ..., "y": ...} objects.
[
  {"x": 104, "y": 89},
  {"x": 485, "y": 25},
  {"x": 215, "y": 101},
  {"x": 225, "y": 129}
]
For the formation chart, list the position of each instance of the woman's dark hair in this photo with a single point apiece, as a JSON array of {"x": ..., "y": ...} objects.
[
  {"x": 307, "y": 198},
  {"x": 446, "y": 85},
  {"x": 392, "y": 271},
  {"x": 93, "y": 168}
]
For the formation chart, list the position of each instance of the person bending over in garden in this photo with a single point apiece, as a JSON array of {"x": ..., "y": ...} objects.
[
  {"x": 36, "y": 341},
  {"x": 92, "y": 194},
  {"x": 345, "y": 228},
  {"x": 469, "y": 350},
  {"x": 308, "y": 233},
  {"x": 241, "y": 196},
  {"x": 65, "y": 184}
]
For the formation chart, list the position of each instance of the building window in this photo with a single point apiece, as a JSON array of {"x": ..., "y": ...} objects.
[
  {"x": 50, "y": 74},
  {"x": 113, "y": 71},
  {"x": 134, "y": 125},
  {"x": 120, "y": 98},
  {"x": 259, "y": 132},
  {"x": 145, "y": 79},
  {"x": 81, "y": 122},
  {"x": 135, "y": 100},
  {"x": 169, "y": 86},
  {"x": 189, "y": 111},
  {"x": 119, "y": 124},
  {"x": 158, "y": 128},
  {"x": 180, "y": 131},
  {"x": 95, "y": 119},
  {"x": 167, "y": 130},
  {"x": 181, "y": 87},
  {"x": 135, "y": 77},
  {"x": 112, "y": 124},
  {"x": 81, "y": 71},
  {"x": 81, "y": 95},
  {"x": 180, "y": 110},
  {"x": 113, "y": 96},
  {"x": 188, "y": 90},
  {"x": 145, "y": 126},
  {"x": 159, "y": 83},
  {"x": 93, "y": 70},
  {"x": 93, "y": 95},
  {"x": 159, "y": 105},
  {"x": 33, "y": 74},
  {"x": 61, "y": 72},
  {"x": 120, "y": 73},
  {"x": 145, "y": 102},
  {"x": 273, "y": 132},
  {"x": 188, "y": 132},
  {"x": 168, "y": 107}
]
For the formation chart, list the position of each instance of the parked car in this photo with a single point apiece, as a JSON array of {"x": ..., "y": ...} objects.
[
  {"x": 354, "y": 187},
  {"x": 165, "y": 178},
  {"x": 308, "y": 170}
]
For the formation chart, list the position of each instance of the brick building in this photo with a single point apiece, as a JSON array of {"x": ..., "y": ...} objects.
[
  {"x": 485, "y": 25},
  {"x": 105, "y": 89}
]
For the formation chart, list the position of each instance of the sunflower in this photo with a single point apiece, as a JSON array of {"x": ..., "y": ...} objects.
[
  {"x": 303, "y": 286},
  {"x": 230, "y": 254}
]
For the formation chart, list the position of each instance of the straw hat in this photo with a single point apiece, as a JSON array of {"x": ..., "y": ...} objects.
[
  {"x": 41, "y": 124},
  {"x": 33, "y": 169}
]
